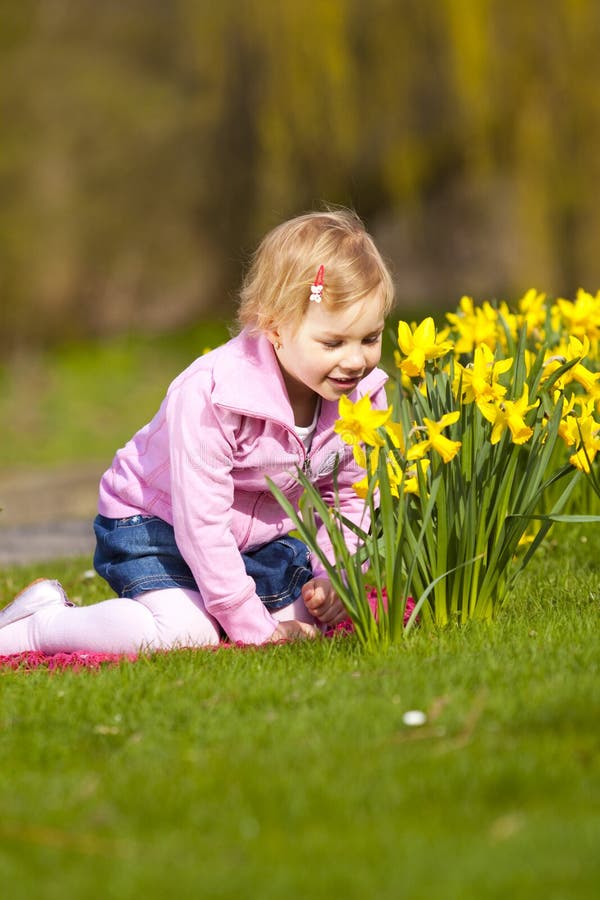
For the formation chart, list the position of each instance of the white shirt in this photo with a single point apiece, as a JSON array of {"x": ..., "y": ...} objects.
[{"x": 305, "y": 432}]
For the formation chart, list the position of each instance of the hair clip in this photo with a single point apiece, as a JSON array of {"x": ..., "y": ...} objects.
[{"x": 316, "y": 289}]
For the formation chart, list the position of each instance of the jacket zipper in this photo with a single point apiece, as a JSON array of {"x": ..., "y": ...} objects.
[
  {"x": 306, "y": 463},
  {"x": 306, "y": 468}
]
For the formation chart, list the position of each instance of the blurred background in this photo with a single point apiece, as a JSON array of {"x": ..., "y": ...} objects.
[{"x": 148, "y": 145}]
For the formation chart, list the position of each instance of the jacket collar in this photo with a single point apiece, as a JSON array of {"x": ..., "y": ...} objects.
[{"x": 247, "y": 379}]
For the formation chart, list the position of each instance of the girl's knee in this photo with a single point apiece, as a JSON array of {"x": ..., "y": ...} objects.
[{"x": 181, "y": 618}]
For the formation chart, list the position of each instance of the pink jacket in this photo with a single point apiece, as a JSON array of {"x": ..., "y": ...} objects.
[{"x": 225, "y": 424}]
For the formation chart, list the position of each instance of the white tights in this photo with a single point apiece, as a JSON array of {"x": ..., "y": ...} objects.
[{"x": 165, "y": 619}]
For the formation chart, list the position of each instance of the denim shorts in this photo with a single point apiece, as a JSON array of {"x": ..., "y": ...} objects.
[{"x": 139, "y": 553}]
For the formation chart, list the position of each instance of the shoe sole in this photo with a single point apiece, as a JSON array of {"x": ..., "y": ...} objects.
[{"x": 10, "y": 620}]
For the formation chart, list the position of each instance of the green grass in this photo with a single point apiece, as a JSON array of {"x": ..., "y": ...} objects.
[
  {"x": 288, "y": 772},
  {"x": 80, "y": 402}
]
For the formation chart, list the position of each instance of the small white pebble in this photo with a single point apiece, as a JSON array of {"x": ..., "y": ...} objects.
[
  {"x": 88, "y": 575},
  {"x": 106, "y": 729},
  {"x": 414, "y": 717}
]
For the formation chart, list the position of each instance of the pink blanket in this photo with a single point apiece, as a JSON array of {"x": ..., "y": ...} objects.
[{"x": 33, "y": 659}]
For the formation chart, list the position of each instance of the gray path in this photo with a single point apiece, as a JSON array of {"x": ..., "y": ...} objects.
[
  {"x": 47, "y": 514},
  {"x": 48, "y": 541}
]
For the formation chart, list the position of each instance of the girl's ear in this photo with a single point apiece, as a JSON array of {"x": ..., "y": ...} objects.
[
  {"x": 275, "y": 338},
  {"x": 272, "y": 334}
]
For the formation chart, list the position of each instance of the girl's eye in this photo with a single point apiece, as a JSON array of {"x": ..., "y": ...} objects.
[
  {"x": 372, "y": 339},
  {"x": 331, "y": 345}
]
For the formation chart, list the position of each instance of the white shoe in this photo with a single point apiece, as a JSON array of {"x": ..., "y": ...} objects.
[{"x": 39, "y": 595}]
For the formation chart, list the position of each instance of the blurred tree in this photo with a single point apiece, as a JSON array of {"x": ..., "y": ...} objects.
[{"x": 147, "y": 146}]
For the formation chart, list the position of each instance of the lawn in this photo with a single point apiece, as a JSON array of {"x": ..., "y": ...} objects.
[
  {"x": 79, "y": 402},
  {"x": 288, "y": 771}
]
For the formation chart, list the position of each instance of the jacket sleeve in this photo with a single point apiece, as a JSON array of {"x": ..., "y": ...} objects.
[
  {"x": 350, "y": 504},
  {"x": 202, "y": 442}
]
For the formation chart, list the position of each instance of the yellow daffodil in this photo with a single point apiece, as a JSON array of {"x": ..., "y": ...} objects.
[
  {"x": 581, "y": 430},
  {"x": 371, "y": 462},
  {"x": 509, "y": 414},
  {"x": 526, "y": 539},
  {"x": 478, "y": 380},
  {"x": 395, "y": 475},
  {"x": 579, "y": 372},
  {"x": 529, "y": 357},
  {"x": 582, "y": 317},
  {"x": 553, "y": 360},
  {"x": 446, "y": 448},
  {"x": 511, "y": 321},
  {"x": 568, "y": 402},
  {"x": 569, "y": 430},
  {"x": 533, "y": 312},
  {"x": 358, "y": 422},
  {"x": 567, "y": 427},
  {"x": 588, "y": 436},
  {"x": 406, "y": 382},
  {"x": 411, "y": 476},
  {"x": 361, "y": 487},
  {"x": 578, "y": 350},
  {"x": 474, "y": 325},
  {"x": 418, "y": 346},
  {"x": 409, "y": 480},
  {"x": 395, "y": 432}
]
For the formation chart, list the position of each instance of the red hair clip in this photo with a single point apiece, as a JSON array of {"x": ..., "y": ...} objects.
[{"x": 316, "y": 289}]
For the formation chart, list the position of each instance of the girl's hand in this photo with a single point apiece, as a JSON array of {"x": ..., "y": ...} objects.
[
  {"x": 322, "y": 602},
  {"x": 293, "y": 631}
]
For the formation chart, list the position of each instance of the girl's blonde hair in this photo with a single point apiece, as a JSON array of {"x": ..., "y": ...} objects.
[{"x": 276, "y": 289}]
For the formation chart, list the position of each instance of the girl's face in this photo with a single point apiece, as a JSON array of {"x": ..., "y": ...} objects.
[{"x": 329, "y": 352}]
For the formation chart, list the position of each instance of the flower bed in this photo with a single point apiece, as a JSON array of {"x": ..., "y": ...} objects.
[{"x": 491, "y": 436}]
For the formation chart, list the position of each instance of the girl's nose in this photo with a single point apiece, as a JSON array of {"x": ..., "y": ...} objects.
[{"x": 354, "y": 359}]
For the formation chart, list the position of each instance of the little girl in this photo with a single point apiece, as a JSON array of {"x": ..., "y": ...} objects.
[{"x": 189, "y": 535}]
